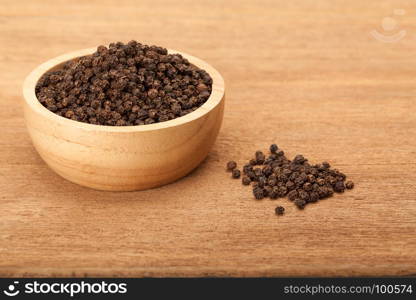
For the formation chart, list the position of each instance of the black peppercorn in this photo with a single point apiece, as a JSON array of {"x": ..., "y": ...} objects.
[
  {"x": 272, "y": 181},
  {"x": 280, "y": 210},
  {"x": 247, "y": 168},
  {"x": 300, "y": 203},
  {"x": 260, "y": 157},
  {"x": 246, "y": 180},
  {"x": 320, "y": 181},
  {"x": 258, "y": 172},
  {"x": 339, "y": 187},
  {"x": 251, "y": 175},
  {"x": 307, "y": 187},
  {"x": 290, "y": 185},
  {"x": 280, "y": 153},
  {"x": 236, "y": 174},
  {"x": 231, "y": 165},
  {"x": 258, "y": 193},
  {"x": 311, "y": 178},
  {"x": 326, "y": 165},
  {"x": 292, "y": 195},
  {"x": 282, "y": 191},
  {"x": 261, "y": 180},
  {"x": 267, "y": 170},
  {"x": 303, "y": 195},
  {"x": 268, "y": 190},
  {"x": 313, "y": 196},
  {"x": 299, "y": 159},
  {"x": 274, "y": 194},
  {"x": 268, "y": 161},
  {"x": 349, "y": 185},
  {"x": 273, "y": 148}
]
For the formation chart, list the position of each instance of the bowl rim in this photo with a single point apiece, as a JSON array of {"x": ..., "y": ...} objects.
[{"x": 31, "y": 100}]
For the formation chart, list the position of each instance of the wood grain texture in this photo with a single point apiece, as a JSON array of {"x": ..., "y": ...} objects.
[
  {"x": 127, "y": 158},
  {"x": 304, "y": 74}
]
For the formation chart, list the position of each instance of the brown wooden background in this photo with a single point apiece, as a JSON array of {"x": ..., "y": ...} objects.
[{"x": 304, "y": 74}]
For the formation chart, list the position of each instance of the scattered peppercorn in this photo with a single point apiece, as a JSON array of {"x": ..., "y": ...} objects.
[
  {"x": 339, "y": 187},
  {"x": 124, "y": 85},
  {"x": 273, "y": 149},
  {"x": 253, "y": 162},
  {"x": 299, "y": 180},
  {"x": 260, "y": 157},
  {"x": 280, "y": 210},
  {"x": 300, "y": 203},
  {"x": 267, "y": 190},
  {"x": 274, "y": 194},
  {"x": 246, "y": 180},
  {"x": 326, "y": 165},
  {"x": 231, "y": 165},
  {"x": 349, "y": 185},
  {"x": 236, "y": 174},
  {"x": 247, "y": 168},
  {"x": 258, "y": 193}
]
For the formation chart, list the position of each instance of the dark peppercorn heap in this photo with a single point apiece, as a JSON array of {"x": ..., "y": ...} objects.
[
  {"x": 276, "y": 176},
  {"x": 125, "y": 84}
]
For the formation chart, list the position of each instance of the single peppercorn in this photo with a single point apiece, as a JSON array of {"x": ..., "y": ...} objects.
[
  {"x": 339, "y": 187},
  {"x": 313, "y": 197},
  {"x": 282, "y": 191},
  {"x": 274, "y": 194},
  {"x": 331, "y": 180},
  {"x": 349, "y": 185},
  {"x": 253, "y": 162},
  {"x": 247, "y": 168},
  {"x": 69, "y": 114},
  {"x": 290, "y": 185},
  {"x": 268, "y": 190},
  {"x": 258, "y": 172},
  {"x": 273, "y": 148},
  {"x": 299, "y": 159},
  {"x": 267, "y": 170},
  {"x": 261, "y": 181},
  {"x": 260, "y": 157},
  {"x": 320, "y": 181},
  {"x": 279, "y": 210},
  {"x": 258, "y": 193},
  {"x": 311, "y": 178},
  {"x": 246, "y": 180},
  {"x": 280, "y": 153},
  {"x": 236, "y": 174},
  {"x": 300, "y": 203},
  {"x": 272, "y": 157},
  {"x": 231, "y": 165},
  {"x": 326, "y": 165},
  {"x": 292, "y": 195},
  {"x": 307, "y": 186},
  {"x": 272, "y": 181},
  {"x": 268, "y": 161},
  {"x": 251, "y": 175},
  {"x": 303, "y": 195}
]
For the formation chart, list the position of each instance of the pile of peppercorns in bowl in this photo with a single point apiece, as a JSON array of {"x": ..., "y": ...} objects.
[
  {"x": 124, "y": 85},
  {"x": 276, "y": 176}
]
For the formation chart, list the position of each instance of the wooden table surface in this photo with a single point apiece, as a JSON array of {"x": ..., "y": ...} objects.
[{"x": 308, "y": 75}]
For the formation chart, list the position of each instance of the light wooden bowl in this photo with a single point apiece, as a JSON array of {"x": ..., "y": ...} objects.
[{"x": 122, "y": 158}]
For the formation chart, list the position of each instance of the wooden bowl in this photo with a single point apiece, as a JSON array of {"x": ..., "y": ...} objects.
[{"x": 124, "y": 158}]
